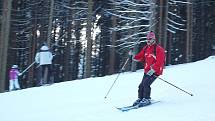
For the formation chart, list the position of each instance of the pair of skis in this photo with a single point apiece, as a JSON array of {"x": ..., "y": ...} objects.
[{"x": 128, "y": 108}]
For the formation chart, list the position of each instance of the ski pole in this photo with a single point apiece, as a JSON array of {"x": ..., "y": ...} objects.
[
  {"x": 174, "y": 85},
  {"x": 27, "y": 68},
  {"x": 123, "y": 67}
]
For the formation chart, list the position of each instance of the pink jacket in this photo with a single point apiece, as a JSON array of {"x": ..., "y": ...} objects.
[{"x": 13, "y": 74}]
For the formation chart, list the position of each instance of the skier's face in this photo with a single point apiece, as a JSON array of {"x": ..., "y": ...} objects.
[{"x": 150, "y": 41}]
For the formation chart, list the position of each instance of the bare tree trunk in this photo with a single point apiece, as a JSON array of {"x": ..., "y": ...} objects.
[
  {"x": 50, "y": 22},
  {"x": 168, "y": 54},
  {"x": 31, "y": 72},
  {"x": 163, "y": 23},
  {"x": 4, "y": 40},
  {"x": 69, "y": 50},
  {"x": 189, "y": 32},
  {"x": 112, "y": 49},
  {"x": 87, "y": 71}
]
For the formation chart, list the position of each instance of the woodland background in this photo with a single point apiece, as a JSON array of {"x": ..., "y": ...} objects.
[{"x": 91, "y": 38}]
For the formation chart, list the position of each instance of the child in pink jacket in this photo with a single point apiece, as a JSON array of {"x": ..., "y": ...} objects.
[{"x": 13, "y": 75}]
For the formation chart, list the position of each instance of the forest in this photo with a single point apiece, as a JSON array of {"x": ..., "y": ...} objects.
[{"x": 92, "y": 38}]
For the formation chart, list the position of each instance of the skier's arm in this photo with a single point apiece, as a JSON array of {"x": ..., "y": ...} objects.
[
  {"x": 18, "y": 73},
  {"x": 50, "y": 56},
  {"x": 140, "y": 56},
  {"x": 37, "y": 58}
]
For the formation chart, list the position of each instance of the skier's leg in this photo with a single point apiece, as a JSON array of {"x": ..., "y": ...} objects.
[
  {"x": 141, "y": 90},
  {"x": 40, "y": 75},
  {"x": 49, "y": 81},
  {"x": 11, "y": 85},
  {"x": 147, "y": 87},
  {"x": 16, "y": 84},
  {"x": 45, "y": 74}
]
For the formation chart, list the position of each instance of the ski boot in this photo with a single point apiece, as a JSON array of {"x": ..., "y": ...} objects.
[
  {"x": 136, "y": 102},
  {"x": 144, "y": 102}
]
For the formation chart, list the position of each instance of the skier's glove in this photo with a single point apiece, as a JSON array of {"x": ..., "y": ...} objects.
[
  {"x": 123, "y": 70},
  {"x": 20, "y": 74},
  {"x": 151, "y": 72},
  {"x": 131, "y": 52},
  {"x": 135, "y": 60}
]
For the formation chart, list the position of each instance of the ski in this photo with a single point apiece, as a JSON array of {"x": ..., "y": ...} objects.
[{"x": 128, "y": 108}]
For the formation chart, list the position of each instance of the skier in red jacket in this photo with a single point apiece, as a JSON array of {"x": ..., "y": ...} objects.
[{"x": 153, "y": 58}]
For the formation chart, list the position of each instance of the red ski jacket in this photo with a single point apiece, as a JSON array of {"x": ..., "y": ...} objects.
[{"x": 151, "y": 59}]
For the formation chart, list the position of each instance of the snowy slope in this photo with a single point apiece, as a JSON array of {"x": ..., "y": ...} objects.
[{"x": 83, "y": 100}]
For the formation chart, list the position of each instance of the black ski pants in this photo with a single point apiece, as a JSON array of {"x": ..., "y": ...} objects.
[
  {"x": 144, "y": 90},
  {"x": 42, "y": 74}
]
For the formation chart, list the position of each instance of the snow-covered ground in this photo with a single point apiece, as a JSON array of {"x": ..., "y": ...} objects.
[{"x": 83, "y": 100}]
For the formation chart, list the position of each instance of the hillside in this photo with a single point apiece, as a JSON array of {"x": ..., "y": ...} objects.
[{"x": 83, "y": 100}]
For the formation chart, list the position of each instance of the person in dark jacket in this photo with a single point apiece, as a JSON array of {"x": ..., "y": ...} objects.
[{"x": 153, "y": 58}]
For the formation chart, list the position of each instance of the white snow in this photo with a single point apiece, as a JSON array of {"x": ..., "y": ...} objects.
[{"x": 83, "y": 100}]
